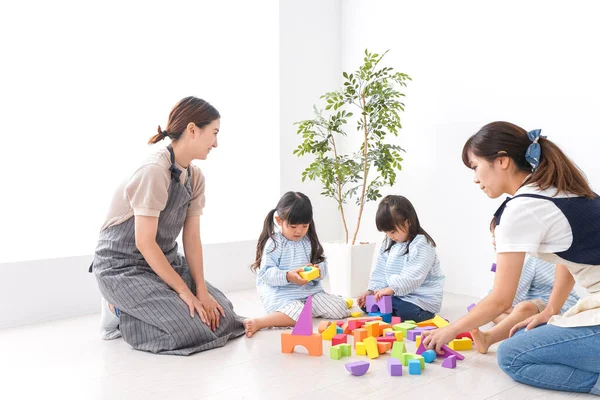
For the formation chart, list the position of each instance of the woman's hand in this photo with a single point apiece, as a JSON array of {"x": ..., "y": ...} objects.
[
  {"x": 213, "y": 309},
  {"x": 194, "y": 305},
  {"x": 436, "y": 338},
  {"x": 532, "y": 322},
  {"x": 361, "y": 301},
  {"x": 293, "y": 276},
  {"x": 383, "y": 292}
]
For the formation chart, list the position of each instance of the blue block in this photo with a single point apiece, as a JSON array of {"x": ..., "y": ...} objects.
[
  {"x": 429, "y": 356},
  {"x": 339, "y": 330},
  {"x": 414, "y": 367}
]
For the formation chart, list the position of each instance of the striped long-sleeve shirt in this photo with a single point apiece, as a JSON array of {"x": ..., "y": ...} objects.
[
  {"x": 279, "y": 256},
  {"x": 537, "y": 281},
  {"x": 414, "y": 276}
]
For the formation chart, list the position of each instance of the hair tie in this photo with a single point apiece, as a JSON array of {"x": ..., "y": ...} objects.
[
  {"x": 164, "y": 134},
  {"x": 534, "y": 151}
]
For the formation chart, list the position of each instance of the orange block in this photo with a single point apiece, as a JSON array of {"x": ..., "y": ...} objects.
[
  {"x": 382, "y": 347},
  {"x": 313, "y": 343},
  {"x": 365, "y": 319},
  {"x": 359, "y": 335},
  {"x": 429, "y": 322},
  {"x": 372, "y": 329},
  {"x": 383, "y": 325},
  {"x": 323, "y": 325}
]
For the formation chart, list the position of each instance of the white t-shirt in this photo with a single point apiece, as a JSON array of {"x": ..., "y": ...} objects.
[{"x": 533, "y": 225}]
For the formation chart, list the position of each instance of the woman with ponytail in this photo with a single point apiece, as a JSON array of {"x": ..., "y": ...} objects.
[
  {"x": 288, "y": 243},
  {"x": 156, "y": 298},
  {"x": 552, "y": 214}
]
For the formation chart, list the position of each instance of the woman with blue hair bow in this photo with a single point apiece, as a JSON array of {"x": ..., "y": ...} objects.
[{"x": 552, "y": 214}]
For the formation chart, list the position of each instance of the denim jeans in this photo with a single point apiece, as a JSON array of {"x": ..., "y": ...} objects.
[
  {"x": 408, "y": 311},
  {"x": 556, "y": 358}
]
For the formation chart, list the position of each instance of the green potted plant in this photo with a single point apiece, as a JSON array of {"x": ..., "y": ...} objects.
[{"x": 368, "y": 105}]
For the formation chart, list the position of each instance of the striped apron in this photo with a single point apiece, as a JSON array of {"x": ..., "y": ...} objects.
[{"x": 153, "y": 316}]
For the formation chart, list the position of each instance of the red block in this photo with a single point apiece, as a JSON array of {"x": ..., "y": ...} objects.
[
  {"x": 354, "y": 324},
  {"x": 386, "y": 339},
  {"x": 463, "y": 335},
  {"x": 338, "y": 339},
  {"x": 396, "y": 320}
]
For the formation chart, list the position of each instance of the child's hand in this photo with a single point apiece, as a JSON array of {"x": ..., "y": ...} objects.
[
  {"x": 363, "y": 298},
  {"x": 435, "y": 339},
  {"x": 383, "y": 292},
  {"x": 293, "y": 276}
]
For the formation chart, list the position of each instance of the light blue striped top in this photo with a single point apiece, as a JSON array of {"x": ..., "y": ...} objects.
[
  {"x": 274, "y": 289},
  {"x": 415, "y": 277},
  {"x": 536, "y": 282}
]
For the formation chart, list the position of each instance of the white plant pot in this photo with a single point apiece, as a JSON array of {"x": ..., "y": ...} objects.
[{"x": 349, "y": 268}]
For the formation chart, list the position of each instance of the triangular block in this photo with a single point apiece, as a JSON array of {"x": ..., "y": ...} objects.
[
  {"x": 304, "y": 324},
  {"x": 449, "y": 362}
]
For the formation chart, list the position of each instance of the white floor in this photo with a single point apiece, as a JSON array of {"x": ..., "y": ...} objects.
[{"x": 66, "y": 359}]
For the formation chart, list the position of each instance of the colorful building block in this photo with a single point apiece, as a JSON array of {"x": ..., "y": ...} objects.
[
  {"x": 330, "y": 332},
  {"x": 338, "y": 330},
  {"x": 383, "y": 326},
  {"x": 428, "y": 322},
  {"x": 371, "y": 346},
  {"x": 358, "y": 368},
  {"x": 346, "y": 349},
  {"x": 356, "y": 314},
  {"x": 360, "y": 335},
  {"x": 414, "y": 367},
  {"x": 418, "y": 341},
  {"x": 394, "y": 367},
  {"x": 384, "y": 305},
  {"x": 447, "y": 352},
  {"x": 398, "y": 349},
  {"x": 406, "y": 357},
  {"x": 493, "y": 269},
  {"x": 388, "y": 332},
  {"x": 429, "y": 356},
  {"x": 464, "y": 335},
  {"x": 354, "y": 324},
  {"x": 440, "y": 322},
  {"x": 339, "y": 339},
  {"x": 372, "y": 328},
  {"x": 304, "y": 324},
  {"x": 335, "y": 353},
  {"x": 399, "y": 336},
  {"x": 349, "y": 303},
  {"x": 420, "y": 349},
  {"x": 361, "y": 350},
  {"x": 323, "y": 325},
  {"x": 461, "y": 344},
  {"x": 386, "y": 339},
  {"x": 420, "y": 359},
  {"x": 313, "y": 344},
  {"x": 470, "y": 307},
  {"x": 404, "y": 327},
  {"x": 396, "y": 320},
  {"x": 340, "y": 323},
  {"x": 382, "y": 347},
  {"x": 413, "y": 333},
  {"x": 410, "y": 321},
  {"x": 310, "y": 273},
  {"x": 449, "y": 362}
]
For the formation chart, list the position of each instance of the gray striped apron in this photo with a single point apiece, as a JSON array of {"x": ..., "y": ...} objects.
[{"x": 153, "y": 316}]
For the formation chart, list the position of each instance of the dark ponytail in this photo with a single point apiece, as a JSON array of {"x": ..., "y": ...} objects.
[{"x": 267, "y": 232}]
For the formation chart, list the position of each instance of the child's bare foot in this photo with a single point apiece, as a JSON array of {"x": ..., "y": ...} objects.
[
  {"x": 481, "y": 340},
  {"x": 251, "y": 326}
]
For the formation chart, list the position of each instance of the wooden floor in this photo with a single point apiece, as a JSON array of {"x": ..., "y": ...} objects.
[{"x": 66, "y": 359}]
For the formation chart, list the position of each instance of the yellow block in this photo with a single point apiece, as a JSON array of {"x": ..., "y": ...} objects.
[
  {"x": 440, "y": 322},
  {"x": 417, "y": 341},
  {"x": 429, "y": 322},
  {"x": 371, "y": 346},
  {"x": 310, "y": 275},
  {"x": 361, "y": 349},
  {"x": 356, "y": 314},
  {"x": 400, "y": 336},
  {"x": 330, "y": 332},
  {"x": 461, "y": 344},
  {"x": 349, "y": 303}
]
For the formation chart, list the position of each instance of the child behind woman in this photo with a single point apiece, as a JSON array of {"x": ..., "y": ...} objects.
[
  {"x": 407, "y": 266},
  {"x": 286, "y": 245},
  {"x": 533, "y": 293}
]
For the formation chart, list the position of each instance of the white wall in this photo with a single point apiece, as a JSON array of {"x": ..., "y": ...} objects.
[
  {"x": 309, "y": 47},
  {"x": 84, "y": 85},
  {"x": 533, "y": 63}
]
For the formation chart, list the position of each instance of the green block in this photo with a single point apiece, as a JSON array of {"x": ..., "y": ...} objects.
[
  {"x": 335, "y": 352},
  {"x": 420, "y": 359},
  {"x": 404, "y": 327},
  {"x": 346, "y": 349},
  {"x": 406, "y": 357},
  {"x": 398, "y": 349},
  {"x": 410, "y": 322}
]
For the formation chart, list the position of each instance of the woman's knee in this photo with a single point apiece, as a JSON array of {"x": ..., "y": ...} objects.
[{"x": 508, "y": 355}]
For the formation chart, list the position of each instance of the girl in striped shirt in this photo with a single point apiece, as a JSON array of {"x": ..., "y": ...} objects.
[
  {"x": 532, "y": 296},
  {"x": 286, "y": 245},
  {"x": 407, "y": 267}
]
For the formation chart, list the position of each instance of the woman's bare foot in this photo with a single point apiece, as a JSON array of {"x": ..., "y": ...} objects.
[
  {"x": 251, "y": 326},
  {"x": 482, "y": 341}
]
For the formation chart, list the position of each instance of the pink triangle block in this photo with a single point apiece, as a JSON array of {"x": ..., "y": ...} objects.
[
  {"x": 358, "y": 368},
  {"x": 449, "y": 362},
  {"x": 304, "y": 324}
]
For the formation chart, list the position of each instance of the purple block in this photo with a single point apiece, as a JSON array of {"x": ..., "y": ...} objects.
[
  {"x": 394, "y": 367},
  {"x": 449, "y": 362},
  {"x": 358, "y": 368},
  {"x": 469, "y": 308},
  {"x": 304, "y": 324},
  {"x": 421, "y": 349},
  {"x": 389, "y": 334},
  {"x": 448, "y": 352},
  {"x": 429, "y": 356},
  {"x": 412, "y": 334},
  {"x": 493, "y": 267},
  {"x": 384, "y": 305}
]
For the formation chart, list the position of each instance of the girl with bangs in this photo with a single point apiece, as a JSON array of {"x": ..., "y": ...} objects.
[
  {"x": 407, "y": 267},
  {"x": 288, "y": 243}
]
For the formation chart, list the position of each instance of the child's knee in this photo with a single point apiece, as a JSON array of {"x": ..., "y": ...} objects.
[{"x": 527, "y": 307}]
